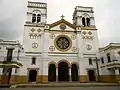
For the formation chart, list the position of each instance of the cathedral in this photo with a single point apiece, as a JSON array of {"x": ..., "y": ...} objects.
[{"x": 58, "y": 52}]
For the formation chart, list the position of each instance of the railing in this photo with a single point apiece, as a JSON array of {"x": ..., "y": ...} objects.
[
  {"x": 12, "y": 62},
  {"x": 113, "y": 64}
]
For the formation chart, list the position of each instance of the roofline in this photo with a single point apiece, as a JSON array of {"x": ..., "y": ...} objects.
[
  {"x": 110, "y": 45},
  {"x": 36, "y": 2},
  {"x": 84, "y": 7}
]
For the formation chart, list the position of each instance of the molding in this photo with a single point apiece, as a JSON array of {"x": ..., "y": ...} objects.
[
  {"x": 37, "y": 7},
  {"x": 88, "y": 28},
  {"x": 36, "y": 2},
  {"x": 91, "y": 69},
  {"x": 30, "y": 24},
  {"x": 61, "y": 53},
  {"x": 62, "y": 21},
  {"x": 33, "y": 69},
  {"x": 65, "y": 32},
  {"x": 89, "y": 54},
  {"x": 33, "y": 52}
]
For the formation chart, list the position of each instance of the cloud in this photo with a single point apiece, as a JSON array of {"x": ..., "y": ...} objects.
[{"x": 12, "y": 17}]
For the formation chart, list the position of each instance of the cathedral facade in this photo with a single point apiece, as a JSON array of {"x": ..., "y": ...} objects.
[
  {"x": 60, "y": 49},
  {"x": 56, "y": 52}
]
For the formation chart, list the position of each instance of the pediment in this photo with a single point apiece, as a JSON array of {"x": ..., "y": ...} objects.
[{"x": 62, "y": 25}]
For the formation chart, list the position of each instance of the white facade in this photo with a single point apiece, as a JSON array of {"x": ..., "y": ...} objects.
[
  {"x": 58, "y": 42},
  {"x": 81, "y": 41},
  {"x": 110, "y": 67}
]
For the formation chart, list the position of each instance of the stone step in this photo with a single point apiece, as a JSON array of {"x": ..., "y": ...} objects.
[{"x": 64, "y": 85}]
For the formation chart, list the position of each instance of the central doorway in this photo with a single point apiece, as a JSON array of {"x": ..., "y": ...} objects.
[
  {"x": 63, "y": 72},
  {"x": 91, "y": 74},
  {"x": 32, "y": 75}
]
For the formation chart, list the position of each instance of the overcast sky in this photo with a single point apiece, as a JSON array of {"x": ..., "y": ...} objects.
[{"x": 107, "y": 15}]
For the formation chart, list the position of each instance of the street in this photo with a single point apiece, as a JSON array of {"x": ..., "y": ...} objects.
[{"x": 70, "y": 88}]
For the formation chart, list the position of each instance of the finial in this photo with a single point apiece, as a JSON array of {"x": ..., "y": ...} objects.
[{"x": 62, "y": 16}]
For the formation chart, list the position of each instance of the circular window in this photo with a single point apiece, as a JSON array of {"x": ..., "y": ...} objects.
[
  {"x": 51, "y": 48},
  {"x": 63, "y": 26},
  {"x": 63, "y": 43},
  {"x": 34, "y": 45},
  {"x": 90, "y": 33},
  {"x": 84, "y": 32},
  {"x": 89, "y": 47}
]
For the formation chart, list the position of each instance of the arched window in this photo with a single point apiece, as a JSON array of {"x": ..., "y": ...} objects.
[
  {"x": 88, "y": 21},
  {"x": 34, "y": 60},
  {"x": 83, "y": 21},
  {"x": 90, "y": 61},
  {"x": 38, "y": 18},
  {"x": 108, "y": 57},
  {"x": 34, "y": 18},
  {"x": 102, "y": 60}
]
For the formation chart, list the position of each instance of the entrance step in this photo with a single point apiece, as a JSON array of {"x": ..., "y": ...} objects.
[{"x": 65, "y": 85}]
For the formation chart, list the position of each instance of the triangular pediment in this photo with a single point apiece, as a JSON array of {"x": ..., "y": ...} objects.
[{"x": 56, "y": 25}]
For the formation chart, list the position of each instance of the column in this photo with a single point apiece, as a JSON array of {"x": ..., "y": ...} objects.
[
  {"x": 116, "y": 72},
  {"x": 56, "y": 74},
  {"x": 70, "y": 80},
  {"x": 1, "y": 69},
  {"x": 117, "y": 75}
]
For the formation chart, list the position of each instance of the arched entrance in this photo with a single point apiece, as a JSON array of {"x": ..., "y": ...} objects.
[
  {"x": 91, "y": 74},
  {"x": 52, "y": 73},
  {"x": 74, "y": 72},
  {"x": 63, "y": 71},
  {"x": 32, "y": 75}
]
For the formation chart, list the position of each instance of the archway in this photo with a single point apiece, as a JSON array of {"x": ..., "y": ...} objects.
[
  {"x": 91, "y": 74},
  {"x": 74, "y": 72},
  {"x": 52, "y": 73},
  {"x": 32, "y": 75},
  {"x": 63, "y": 71}
]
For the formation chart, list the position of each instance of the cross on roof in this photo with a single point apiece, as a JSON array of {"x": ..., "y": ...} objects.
[{"x": 62, "y": 16}]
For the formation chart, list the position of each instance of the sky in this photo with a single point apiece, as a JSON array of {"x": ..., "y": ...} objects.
[{"x": 107, "y": 17}]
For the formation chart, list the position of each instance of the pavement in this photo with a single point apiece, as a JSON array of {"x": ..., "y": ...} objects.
[
  {"x": 63, "y": 84},
  {"x": 66, "y": 86}
]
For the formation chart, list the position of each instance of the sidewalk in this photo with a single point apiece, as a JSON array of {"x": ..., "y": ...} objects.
[{"x": 66, "y": 85}]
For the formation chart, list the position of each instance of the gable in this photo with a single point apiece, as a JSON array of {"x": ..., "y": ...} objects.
[{"x": 62, "y": 25}]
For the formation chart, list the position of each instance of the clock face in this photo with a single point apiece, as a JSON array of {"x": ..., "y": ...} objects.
[{"x": 63, "y": 43}]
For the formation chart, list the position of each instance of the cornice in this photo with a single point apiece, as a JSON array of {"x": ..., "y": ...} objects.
[
  {"x": 61, "y": 53},
  {"x": 37, "y": 7}
]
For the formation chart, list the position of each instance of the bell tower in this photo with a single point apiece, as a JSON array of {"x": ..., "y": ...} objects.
[
  {"x": 83, "y": 16},
  {"x": 36, "y": 16},
  {"x": 36, "y": 13}
]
